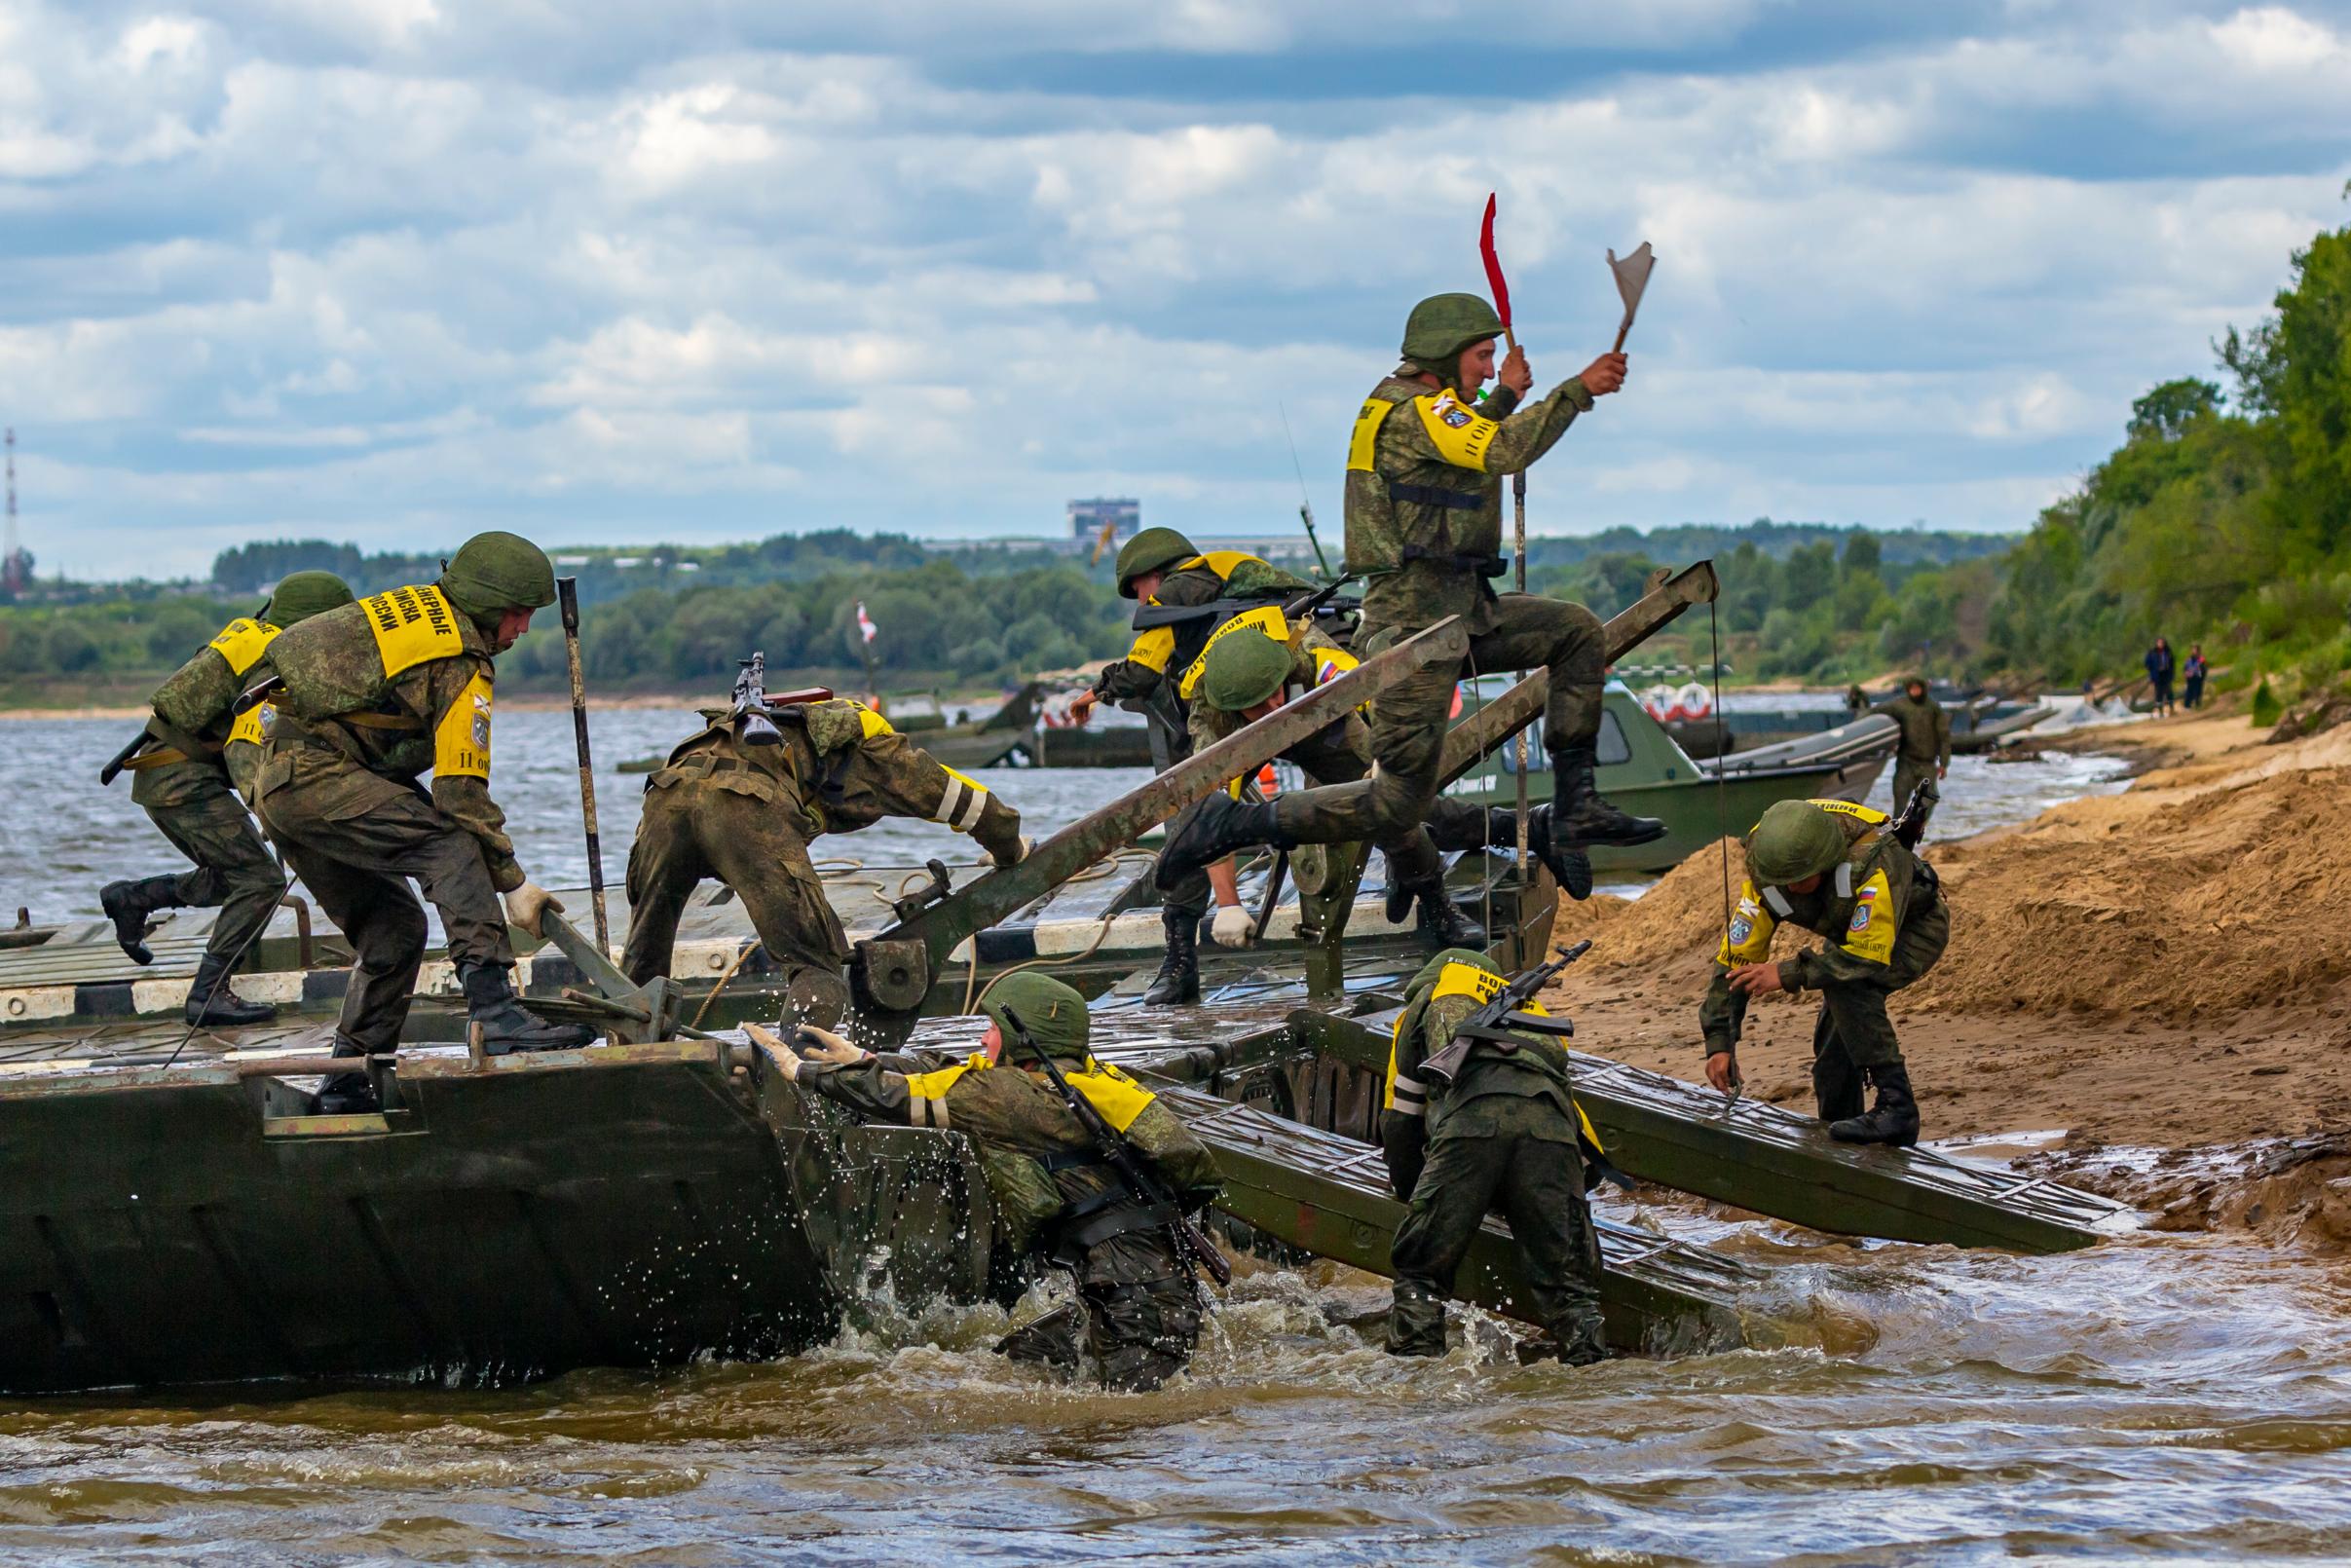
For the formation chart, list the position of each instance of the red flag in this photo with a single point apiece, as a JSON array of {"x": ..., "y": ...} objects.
[{"x": 1486, "y": 248}]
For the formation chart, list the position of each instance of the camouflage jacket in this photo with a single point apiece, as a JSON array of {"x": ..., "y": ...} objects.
[
  {"x": 1925, "y": 730},
  {"x": 840, "y": 767},
  {"x": 1038, "y": 1160},
  {"x": 374, "y": 694},
  {"x": 191, "y": 714},
  {"x": 1424, "y": 491},
  {"x": 1861, "y": 906},
  {"x": 1160, "y": 651}
]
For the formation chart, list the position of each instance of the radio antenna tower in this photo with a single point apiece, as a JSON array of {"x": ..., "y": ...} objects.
[{"x": 11, "y": 571}]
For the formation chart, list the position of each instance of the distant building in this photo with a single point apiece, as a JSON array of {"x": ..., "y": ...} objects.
[{"x": 1087, "y": 519}]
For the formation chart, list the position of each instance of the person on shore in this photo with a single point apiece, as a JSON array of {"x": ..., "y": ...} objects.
[
  {"x": 183, "y": 780},
  {"x": 1424, "y": 529},
  {"x": 2159, "y": 668},
  {"x": 1832, "y": 867},
  {"x": 2192, "y": 674},
  {"x": 745, "y": 814},
  {"x": 1922, "y": 756},
  {"x": 1054, "y": 1191},
  {"x": 1160, "y": 569},
  {"x": 1252, "y": 665},
  {"x": 1857, "y": 701},
  {"x": 368, "y": 698},
  {"x": 1502, "y": 1136}
]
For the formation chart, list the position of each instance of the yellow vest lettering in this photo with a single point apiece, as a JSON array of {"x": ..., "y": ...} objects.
[
  {"x": 461, "y": 745},
  {"x": 1363, "y": 444},
  {"x": 413, "y": 625},
  {"x": 252, "y": 727},
  {"x": 1748, "y": 940},
  {"x": 243, "y": 642}
]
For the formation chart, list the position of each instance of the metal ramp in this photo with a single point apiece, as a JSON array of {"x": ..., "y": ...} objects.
[
  {"x": 1329, "y": 1195},
  {"x": 1752, "y": 1154}
]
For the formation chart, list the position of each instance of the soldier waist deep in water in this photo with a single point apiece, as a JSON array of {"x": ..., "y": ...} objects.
[{"x": 1056, "y": 1195}]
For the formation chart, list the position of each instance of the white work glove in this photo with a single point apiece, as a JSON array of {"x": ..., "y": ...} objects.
[
  {"x": 1020, "y": 852},
  {"x": 786, "y": 1060},
  {"x": 1233, "y": 927},
  {"x": 527, "y": 903},
  {"x": 823, "y": 1045}
]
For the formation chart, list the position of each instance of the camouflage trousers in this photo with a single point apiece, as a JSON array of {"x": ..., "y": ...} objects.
[
  {"x": 1854, "y": 1031},
  {"x": 1516, "y": 631},
  {"x": 1537, "y": 1183},
  {"x": 695, "y": 829},
  {"x": 1908, "y": 776},
  {"x": 359, "y": 868},
  {"x": 1341, "y": 754},
  {"x": 1143, "y": 1333},
  {"x": 234, "y": 870}
]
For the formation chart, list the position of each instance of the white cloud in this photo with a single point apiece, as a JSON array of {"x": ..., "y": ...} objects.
[{"x": 419, "y": 262}]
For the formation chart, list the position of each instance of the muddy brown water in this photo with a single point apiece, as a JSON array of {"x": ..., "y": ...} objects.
[{"x": 2180, "y": 1397}]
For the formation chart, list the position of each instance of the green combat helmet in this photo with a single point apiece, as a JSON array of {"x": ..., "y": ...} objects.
[
  {"x": 1154, "y": 549},
  {"x": 300, "y": 595},
  {"x": 1795, "y": 839},
  {"x": 497, "y": 572},
  {"x": 1054, "y": 1015},
  {"x": 1442, "y": 325},
  {"x": 1243, "y": 670}
]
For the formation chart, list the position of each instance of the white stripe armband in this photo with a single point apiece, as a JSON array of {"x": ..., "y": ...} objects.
[
  {"x": 1410, "y": 1095},
  {"x": 959, "y": 807}
]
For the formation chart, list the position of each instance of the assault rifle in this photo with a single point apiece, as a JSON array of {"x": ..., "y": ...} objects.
[
  {"x": 1490, "y": 1025},
  {"x": 1221, "y": 611},
  {"x": 1910, "y": 825},
  {"x": 752, "y": 704},
  {"x": 1192, "y": 1248}
]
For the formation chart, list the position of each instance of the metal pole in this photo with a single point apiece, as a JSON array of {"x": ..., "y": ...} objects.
[
  {"x": 1518, "y": 503},
  {"x": 567, "y": 592}
]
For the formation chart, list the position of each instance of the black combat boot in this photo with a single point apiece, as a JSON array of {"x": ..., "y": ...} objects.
[
  {"x": 1416, "y": 1321},
  {"x": 1576, "y": 814},
  {"x": 347, "y": 1094},
  {"x": 212, "y": 1002},
  {"x": 1218, "y": 826},
  {"x": 1178, "y": 983},
  {"x": 1576, "y": 1339},
  {"x": 508, "y": 1026},
  {"x": 129, "y": 904},
  {"x": 1569, "y": 866},
  {"x": 1895, "y": 1118},
  {"x": 1441, "y": 923}
]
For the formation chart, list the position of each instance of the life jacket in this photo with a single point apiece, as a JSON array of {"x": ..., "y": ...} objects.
[
  {"x": 1451, "y": 515},
  {"x": 1858, "y": 910},
  {"x": 187, "y": 713},
  {"x": 335, "y": 671}
]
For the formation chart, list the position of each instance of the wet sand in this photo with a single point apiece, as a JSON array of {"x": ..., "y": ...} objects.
[{"x": 2161, "y": 969}]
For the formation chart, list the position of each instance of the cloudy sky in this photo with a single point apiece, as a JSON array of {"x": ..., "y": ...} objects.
[{"x": 393, "y": 270}]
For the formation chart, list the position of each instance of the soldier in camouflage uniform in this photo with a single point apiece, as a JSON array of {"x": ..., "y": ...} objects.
[
  {"x": 1505, "y": 1135},
  {"x": 1159, "y": 568},
  {"x": 183, "y": 781},
  {"x": 1924, "y": 754},
  {"x": 1832, "y": 867},
  {"x": 1260, "y": 661},
  {"x": 1051, "y": 1186},
  {"x": 368, "y": 698},
  {"x": 1424, "y": 529},
  {"x": 745, "y": 815}
]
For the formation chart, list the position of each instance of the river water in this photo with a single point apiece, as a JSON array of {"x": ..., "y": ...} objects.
[{"x": 2160, "y": 1396}]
